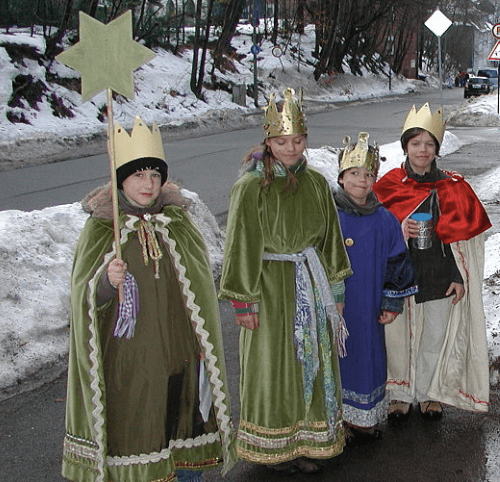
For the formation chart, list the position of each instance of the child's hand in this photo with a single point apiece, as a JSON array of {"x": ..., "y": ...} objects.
[
  {"x": 459, "y": 290},
  {"x": 117, "y": 270},
  {"x": 411, "y": 228},
  {"x": 250, "y": 321},
  {"x": 387, "y": 317}
]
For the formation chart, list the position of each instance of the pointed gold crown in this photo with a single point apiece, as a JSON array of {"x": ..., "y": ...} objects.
[
  {"x": 426, "y": 120},
  {"x": 141, "y": 143},
  {"x": 359, "y": 155},
  {"x": 289, "y": 121}
]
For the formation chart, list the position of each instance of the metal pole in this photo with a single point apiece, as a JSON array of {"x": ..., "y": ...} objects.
[
  {"x": 498, "y": 91},
  {"x": 440, "y": 73},
  {"x": 255, "y": 83}
]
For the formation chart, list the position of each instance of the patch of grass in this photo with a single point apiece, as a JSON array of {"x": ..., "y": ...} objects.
[
  {"x": 219, "y": 84},
  {"x": 25, "y": 87},
  {"x": 17, "y": 118},
  {"x": 103, "y": 113},
  {"x": 58, "y": 107},
  {"x": 73, "y": 83},
  {"x": 19, "y": 52}
]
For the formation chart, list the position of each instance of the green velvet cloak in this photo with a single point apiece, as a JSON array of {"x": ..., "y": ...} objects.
[
  {"x": 87, "y": 456},
  {"x": 275, "y": 425}
]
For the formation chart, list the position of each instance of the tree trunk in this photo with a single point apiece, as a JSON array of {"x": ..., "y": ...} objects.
[
  {"x": 93, "y": 8},
  {"x": 51, "y": 49},
  {"x": 232, "y": 15},
  {"x": 5, "y": 15},
  {"x": 331, "y": 19},
  {"x": 196, "y": 42},
  {"x": 276, "y": 21},
  {"x": 138, "y": 24},
  {"x": 201, "y": 70},
  {"x": 300, "y": 16}
]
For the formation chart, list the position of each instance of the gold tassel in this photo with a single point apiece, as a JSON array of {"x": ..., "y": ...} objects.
[{"x": 149, "y": 242}]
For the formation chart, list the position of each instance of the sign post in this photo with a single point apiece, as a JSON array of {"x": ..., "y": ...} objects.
[
  {"x": 438, "y": 23},
  {"x": 495, "y": 55}
]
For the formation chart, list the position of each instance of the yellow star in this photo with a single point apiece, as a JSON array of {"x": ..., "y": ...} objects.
[{"x": 106, "y": 56}]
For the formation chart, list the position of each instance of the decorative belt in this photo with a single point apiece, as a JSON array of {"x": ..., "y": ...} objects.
[
  {"x": 314, "y": 305},
  {"x": 309, "y": 274}
]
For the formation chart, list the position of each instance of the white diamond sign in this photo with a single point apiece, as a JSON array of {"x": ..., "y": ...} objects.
[{"x": 438, "y": 23}]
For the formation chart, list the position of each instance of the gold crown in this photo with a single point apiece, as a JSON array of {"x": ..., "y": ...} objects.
[
  {"x": 426, "y": 120},
  {"x": 141, "y": 143},
  {"x": 289, "y": 121},
  {"x": 359, "y": 155}
]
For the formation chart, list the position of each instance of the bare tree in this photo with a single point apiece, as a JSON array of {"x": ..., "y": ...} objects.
[
  {"x": 276, "y": 20},
  {"x": 52, "y": 42},
  {"x": 222, "y": 47},
  {"x": 363, "y": 33},
  {"x": 198, "y": 69},
  {"x": 5, "y": 15}
]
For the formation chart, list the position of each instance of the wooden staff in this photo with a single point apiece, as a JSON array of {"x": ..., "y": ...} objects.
[
  {"x": 114, "y": 186},
  {"x": 109, "y": 48}
]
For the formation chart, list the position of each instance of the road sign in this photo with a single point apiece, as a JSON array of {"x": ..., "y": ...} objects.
[
  {"x": 495, "y": 52},
  {"x": 496, "y": 30},
  {"x": 438, "y": 23}
]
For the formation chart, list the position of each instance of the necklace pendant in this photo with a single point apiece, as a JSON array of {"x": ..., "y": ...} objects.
[{"x": 147, "y": 217}]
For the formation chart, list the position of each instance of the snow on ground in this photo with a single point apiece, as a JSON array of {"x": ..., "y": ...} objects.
[
  {"x": 36, "y": 248},
  {"x": 36, "y": 252},
  {"x": 163, "y": 91},
  {"x": 480, "y": 111}
]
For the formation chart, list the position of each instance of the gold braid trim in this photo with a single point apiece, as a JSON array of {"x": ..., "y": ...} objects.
[
  {"x": 149, "y": 242},
  {"x": 274, "y": 446},
  {"x": 312, "y": 425},
  {"x": 198, "y": 465},
  {"x": 301, "y": 451}
]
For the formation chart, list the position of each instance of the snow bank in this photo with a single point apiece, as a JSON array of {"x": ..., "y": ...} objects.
[{"x": 36, "y": 255}]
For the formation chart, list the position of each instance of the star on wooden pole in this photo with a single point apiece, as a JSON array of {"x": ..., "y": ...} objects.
[{"x": 106, "y": 57}]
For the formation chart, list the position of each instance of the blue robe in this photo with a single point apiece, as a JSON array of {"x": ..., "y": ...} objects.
[{"x": 382, "y": 275}]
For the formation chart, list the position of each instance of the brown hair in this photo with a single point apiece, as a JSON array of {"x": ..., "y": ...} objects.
[
  {"x": 268, "y": 161},
  {"x": 414, "y": 132}
]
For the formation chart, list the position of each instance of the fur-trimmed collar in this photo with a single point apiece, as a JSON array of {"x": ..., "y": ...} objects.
[{"x": 99, "y": 205}]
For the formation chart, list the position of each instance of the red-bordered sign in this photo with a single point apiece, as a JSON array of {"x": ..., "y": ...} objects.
[
  {"x": 496, "y": 30},
  {"x": 495, "y": 52}
]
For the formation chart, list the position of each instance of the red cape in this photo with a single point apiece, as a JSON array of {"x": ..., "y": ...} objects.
[{"x": 462, "y": 214}]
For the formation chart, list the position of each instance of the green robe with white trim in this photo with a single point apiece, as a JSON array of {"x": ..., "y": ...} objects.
[
  {"x": 276, "y": 425},
  {"x": 132, "y": 412}
]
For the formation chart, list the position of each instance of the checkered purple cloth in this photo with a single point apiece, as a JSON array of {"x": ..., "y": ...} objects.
[{"x": 129, "y": 309}]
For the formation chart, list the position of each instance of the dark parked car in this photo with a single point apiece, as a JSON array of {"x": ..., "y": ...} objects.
[{"x": 477, "y": 86}]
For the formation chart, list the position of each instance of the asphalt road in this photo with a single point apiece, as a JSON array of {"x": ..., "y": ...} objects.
[{"x": 209, "y": 165}]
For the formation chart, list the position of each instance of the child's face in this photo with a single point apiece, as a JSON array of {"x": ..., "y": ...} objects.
[
  {"x": 421, "y": 151},
  {"x": 358, "y": 182},
  {"x": 143, "y": 187},
  {"x": 287, "y": 149}
]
